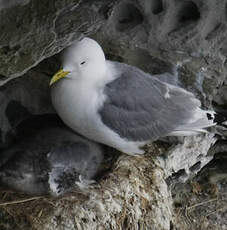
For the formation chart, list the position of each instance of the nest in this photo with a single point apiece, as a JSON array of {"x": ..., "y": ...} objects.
[{"x": 132, "y": 195}]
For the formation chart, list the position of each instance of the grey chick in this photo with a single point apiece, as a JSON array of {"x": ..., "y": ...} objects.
[{"x": 47, "y": 157}]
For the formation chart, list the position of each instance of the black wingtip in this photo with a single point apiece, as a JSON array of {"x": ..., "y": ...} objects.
[{"x": 219, "y": 118}]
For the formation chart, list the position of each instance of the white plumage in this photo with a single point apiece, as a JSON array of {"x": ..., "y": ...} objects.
[{"x": 120, "y": 105}]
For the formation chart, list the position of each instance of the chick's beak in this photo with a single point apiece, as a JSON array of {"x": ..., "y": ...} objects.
[{"x": 60, "y": 74}]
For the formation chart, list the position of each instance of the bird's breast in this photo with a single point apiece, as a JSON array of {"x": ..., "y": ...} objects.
[{"x": 78, "y": 105}]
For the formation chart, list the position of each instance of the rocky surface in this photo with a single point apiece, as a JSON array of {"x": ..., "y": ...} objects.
[
  {"x": 185, "y": 38},
  {"x": 201, "y": 203},
  {"x": 184, "y": 160},
  {"x": 34, "y": 30}
]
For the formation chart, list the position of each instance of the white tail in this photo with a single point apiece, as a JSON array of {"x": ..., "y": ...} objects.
[{"x": 202, "y": 119}]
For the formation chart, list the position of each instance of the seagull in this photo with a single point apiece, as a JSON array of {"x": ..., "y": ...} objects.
[{"x": 119, "y": 105}]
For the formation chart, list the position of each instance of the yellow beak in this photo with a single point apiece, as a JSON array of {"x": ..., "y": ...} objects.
[{"x": 60, "y": 74}]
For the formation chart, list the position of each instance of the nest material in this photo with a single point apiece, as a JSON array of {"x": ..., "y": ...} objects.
[{"x": 133, "y": 196}]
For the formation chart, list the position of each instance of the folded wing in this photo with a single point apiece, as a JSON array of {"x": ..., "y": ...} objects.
[{"x": 139, "y": 107}]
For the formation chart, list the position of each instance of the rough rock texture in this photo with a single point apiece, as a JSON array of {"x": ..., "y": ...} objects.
[
  {"x": 34, "y": 30},
  {"x": 187, "y": 33},
  {"x": 201, "y": 203},
  {"x": 186, "y": 38},
  {"x": 20, "y": 98},
  {"x": 184, "y": 160},
  {"x": 25, "y": 96}
]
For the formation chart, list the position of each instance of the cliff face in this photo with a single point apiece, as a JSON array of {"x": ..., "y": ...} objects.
[{"x": 184, "y": 38}]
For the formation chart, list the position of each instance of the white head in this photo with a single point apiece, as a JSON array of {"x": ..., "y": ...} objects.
[{"x": 85, "y": 59}]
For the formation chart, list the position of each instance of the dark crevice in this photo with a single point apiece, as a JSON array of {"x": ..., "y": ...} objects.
[
  {"x": 127, "y": 16},
  {"x": 219, "y": 107},
  {"x": 199, "y": 157},
  {"x": 226, "y": 11},
  {"x": 195, "y": 167},
  {"x": 188, "y": 12},
  {"x": 106, "y": 10},
  {"x": 157, "y": 6},
  {"x": 7, "y": 49},
  {"x": 3, "y": 78},
  {"x": 16, "y": 112},
  {"x": 171, "y": 225},
  {"x": 179, "y": 174}
]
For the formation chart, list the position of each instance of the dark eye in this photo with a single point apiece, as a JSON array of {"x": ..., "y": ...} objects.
[{"x": 83, "y": 62}]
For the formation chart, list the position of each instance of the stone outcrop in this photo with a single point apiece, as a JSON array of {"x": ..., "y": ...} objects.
[
  {"x": 34, "y": 30},
  {"x": 186, "y": 39}
]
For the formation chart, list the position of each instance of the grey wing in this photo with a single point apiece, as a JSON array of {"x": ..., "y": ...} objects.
[{"x": 140, "y": 107}]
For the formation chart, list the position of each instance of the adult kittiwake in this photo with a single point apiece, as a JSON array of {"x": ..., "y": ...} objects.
[{"x": 120, "y": 105}]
